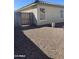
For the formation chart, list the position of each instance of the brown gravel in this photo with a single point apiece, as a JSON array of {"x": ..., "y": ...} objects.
[{"x": 49, "y": 40}]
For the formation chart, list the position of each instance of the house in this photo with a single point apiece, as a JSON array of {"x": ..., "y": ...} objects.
[{"x": 40, "y": 13}]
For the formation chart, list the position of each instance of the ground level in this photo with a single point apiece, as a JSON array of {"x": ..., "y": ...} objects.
[
  {"x": 40, "y": 43},
  {"x": 49, "y": 40}
]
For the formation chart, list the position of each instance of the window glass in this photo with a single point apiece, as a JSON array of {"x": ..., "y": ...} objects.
[{"x": 42, "y": 14}]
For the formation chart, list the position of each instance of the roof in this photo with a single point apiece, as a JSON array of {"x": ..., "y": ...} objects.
[{"x": 40, "y": 2}]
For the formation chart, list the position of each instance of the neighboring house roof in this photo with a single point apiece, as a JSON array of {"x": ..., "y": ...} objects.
[{"x": 40, "y": 2}]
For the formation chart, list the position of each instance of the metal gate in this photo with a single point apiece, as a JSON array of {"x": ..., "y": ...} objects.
[{"x": 26, "y": 18}]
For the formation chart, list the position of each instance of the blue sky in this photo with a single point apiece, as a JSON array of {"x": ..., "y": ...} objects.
[{"x": 19, "y": 3}]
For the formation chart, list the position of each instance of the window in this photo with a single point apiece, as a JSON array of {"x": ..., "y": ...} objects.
[
  {"x": 42, "y": 14},
  {"x": 62, "y": 14}
]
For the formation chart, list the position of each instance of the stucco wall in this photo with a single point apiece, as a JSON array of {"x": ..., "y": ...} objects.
[{"x": 52, "y": 14}]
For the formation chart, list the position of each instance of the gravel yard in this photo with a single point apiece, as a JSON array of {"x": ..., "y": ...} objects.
[{"x": 49, "y": 40}]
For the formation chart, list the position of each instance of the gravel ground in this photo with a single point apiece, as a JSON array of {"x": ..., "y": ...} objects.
[
  {"x": 24, "y": 46},
  {"x": 49, "y": 40}
]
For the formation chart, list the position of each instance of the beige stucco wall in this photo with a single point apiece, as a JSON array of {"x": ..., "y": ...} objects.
[{"x": 52, "y": 14}]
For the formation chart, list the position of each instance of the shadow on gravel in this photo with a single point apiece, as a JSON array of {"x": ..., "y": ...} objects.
[
  {"x": 28, "y": 27},
  {"x": 24, "y": 46}
]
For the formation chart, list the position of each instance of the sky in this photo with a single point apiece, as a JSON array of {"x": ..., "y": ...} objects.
[{"x": 20, "y": 3}]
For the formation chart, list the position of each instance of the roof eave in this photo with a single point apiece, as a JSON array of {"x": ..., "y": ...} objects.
[{"x": 25, "y": 7}]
